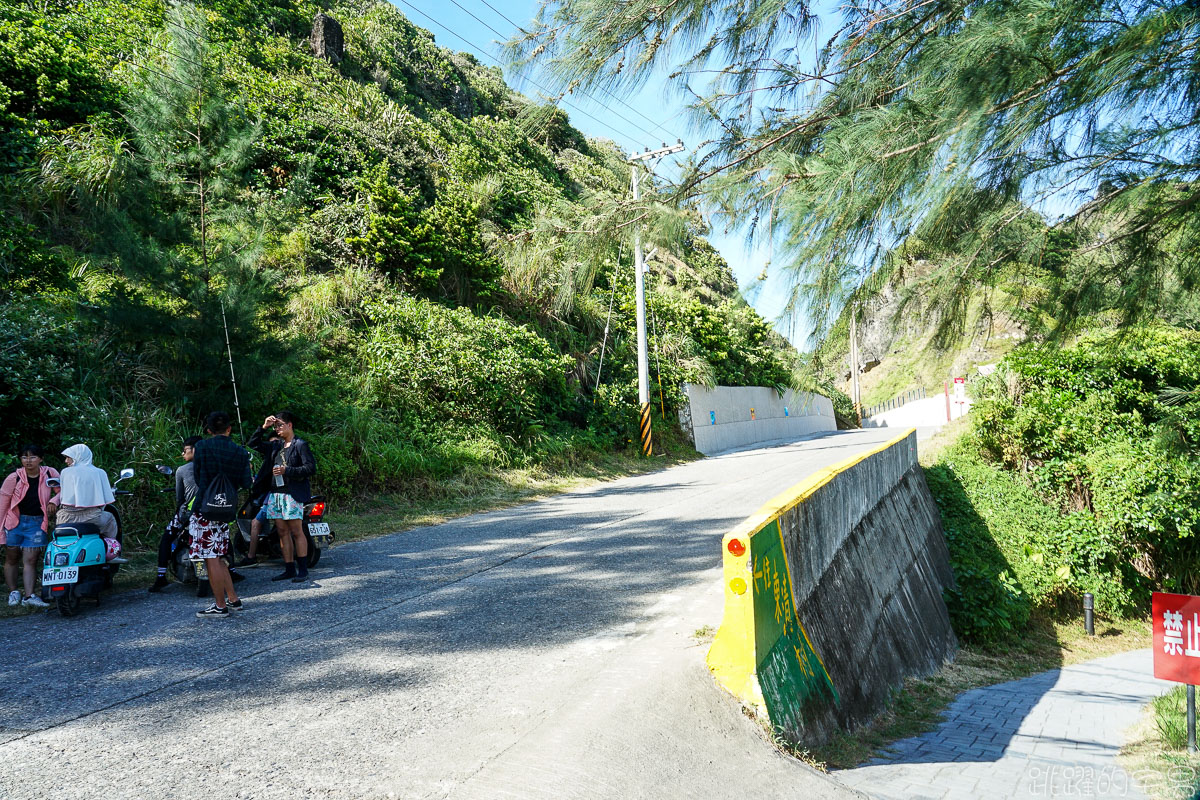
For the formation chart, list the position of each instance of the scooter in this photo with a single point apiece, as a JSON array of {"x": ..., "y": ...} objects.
[
  {"x": 181, "y": 565},
  {"x": 77, "y": 564},
  {"x": 316, "y": 531}
]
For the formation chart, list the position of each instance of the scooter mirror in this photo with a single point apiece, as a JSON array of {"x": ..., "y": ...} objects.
[
  {"x": 165, "y": 470},
  {"x": 126, "y": 473}
]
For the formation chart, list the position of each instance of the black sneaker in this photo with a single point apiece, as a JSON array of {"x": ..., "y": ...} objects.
[
  {"x": 235, "y": 605},
  {"x": 213, "y": 611},
  {"x": 286, "y": 575},
  {"x": 159, "y": 584},
  {"x": 300, "y": 578},
  {"x": 236, "y": 576},
  {"x": 248, "y": 561}
]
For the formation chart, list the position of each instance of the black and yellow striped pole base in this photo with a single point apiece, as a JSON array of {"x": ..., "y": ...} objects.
[{"x": 645, "y": 428}]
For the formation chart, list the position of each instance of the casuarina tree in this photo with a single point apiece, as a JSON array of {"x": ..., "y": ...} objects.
[
  {"x": 190, "y": 240},
  {"x": 846, "y": 134}
]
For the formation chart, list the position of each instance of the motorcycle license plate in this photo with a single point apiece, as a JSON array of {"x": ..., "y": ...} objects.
[
  {"x": 53, "y": 575},
  {"x": 316, "y": 529}
]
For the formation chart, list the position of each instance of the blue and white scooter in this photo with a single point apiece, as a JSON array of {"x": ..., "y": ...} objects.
[{"x": 77, "y": 564}]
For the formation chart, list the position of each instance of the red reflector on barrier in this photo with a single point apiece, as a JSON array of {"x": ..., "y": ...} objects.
[{"x": 736, "y": 547}]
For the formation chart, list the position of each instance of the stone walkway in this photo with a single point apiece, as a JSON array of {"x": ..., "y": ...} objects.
[{"x": 1055, "y": 734}]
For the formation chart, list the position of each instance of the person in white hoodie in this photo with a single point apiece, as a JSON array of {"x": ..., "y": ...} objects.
[{"x": 85, "y": 492}]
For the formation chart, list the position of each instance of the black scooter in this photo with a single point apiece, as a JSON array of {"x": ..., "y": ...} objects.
[
  {"x": 181, "y": 565},
  {"x": 316, "y": 531}
]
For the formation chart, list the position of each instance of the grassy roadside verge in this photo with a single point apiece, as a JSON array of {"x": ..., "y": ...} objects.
[
  {"x": 473, "y": 492},
  {"x": 1156, "y": 755},
  {"x": 432, "y": 502}
]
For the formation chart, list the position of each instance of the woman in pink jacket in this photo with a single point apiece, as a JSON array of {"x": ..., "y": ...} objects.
[{"x": 25, "y": 498}]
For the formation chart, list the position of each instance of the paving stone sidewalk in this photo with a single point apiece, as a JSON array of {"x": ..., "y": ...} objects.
[{"x": 1055, "y": 734}]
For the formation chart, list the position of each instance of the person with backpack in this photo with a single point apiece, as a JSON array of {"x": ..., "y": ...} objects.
[
  {"x": 293, "y": 466},
  {"x": 220, "y": 468}
]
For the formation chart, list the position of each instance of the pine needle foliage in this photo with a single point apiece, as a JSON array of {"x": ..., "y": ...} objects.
[
  {"x": 183, "y": 245},
  {"x": 945, "y": 119}
]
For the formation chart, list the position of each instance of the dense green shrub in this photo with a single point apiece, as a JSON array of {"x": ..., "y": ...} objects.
[
  {"x": 40, "y": 399},
  {"x": 431, "y": 362},
  {"x": 1012, "y": 552},
  {"x": 1109, "y": 426}
]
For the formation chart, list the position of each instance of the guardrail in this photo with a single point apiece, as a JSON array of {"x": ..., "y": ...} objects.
[{"x": 895, "y": 402}]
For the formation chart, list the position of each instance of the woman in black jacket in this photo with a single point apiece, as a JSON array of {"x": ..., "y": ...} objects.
[{"x": 292, "y": 467}]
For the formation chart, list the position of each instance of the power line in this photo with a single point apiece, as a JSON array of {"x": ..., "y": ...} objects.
[
  {"x": 499, "y": 63},
  {"x": 585, "y": 94},
  {"x": 468, "y": 12},
  {"x": 449, "y": 30}
]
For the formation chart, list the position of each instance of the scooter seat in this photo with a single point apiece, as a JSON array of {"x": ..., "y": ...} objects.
[{"x": 77, "y": 529}]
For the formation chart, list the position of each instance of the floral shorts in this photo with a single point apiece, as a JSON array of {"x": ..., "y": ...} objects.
[
  {"x": 281, "y": 505},
  {"x": 209, "y": 539}
]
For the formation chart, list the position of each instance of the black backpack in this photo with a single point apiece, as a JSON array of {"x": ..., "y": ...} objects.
[{"x": 219, "y": 501}]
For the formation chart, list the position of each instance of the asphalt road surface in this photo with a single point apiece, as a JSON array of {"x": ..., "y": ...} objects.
[{"x": 545, "y": 650}]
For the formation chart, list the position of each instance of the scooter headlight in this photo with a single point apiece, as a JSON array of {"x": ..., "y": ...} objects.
[{"x": 60, "y": 559}]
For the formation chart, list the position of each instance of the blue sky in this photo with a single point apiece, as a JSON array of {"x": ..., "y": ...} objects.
[{"x": 634, "y": 122}]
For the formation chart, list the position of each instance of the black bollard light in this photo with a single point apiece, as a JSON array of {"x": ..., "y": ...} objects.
[{"x": 1089, "y": 622}]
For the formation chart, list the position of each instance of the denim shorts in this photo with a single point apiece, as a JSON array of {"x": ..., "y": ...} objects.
[
  {"x": 261, "y": 516},
  {"x": 28, "y": 533}
]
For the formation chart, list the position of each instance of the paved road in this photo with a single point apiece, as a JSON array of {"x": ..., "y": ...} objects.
[
  {"x": 539, "y": 651},
  {"x": 1055, "y": 734}
]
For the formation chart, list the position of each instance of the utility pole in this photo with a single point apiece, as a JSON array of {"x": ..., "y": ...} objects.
[
  {"x": 855, "y": 391},
  {"x": 639, "y": 269}
]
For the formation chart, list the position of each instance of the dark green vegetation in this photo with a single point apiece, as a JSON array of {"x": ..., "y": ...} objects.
[
  {"x": 413, "y": 258},
  {"x": 1080, "y": 476}
]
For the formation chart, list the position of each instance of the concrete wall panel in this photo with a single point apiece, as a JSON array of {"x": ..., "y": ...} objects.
[
  {"x": 866, "y": 564},
  {"x": 729, "y": 417}
]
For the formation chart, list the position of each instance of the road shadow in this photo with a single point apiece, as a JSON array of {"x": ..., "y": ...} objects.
[{"x": 377, "y": 613}]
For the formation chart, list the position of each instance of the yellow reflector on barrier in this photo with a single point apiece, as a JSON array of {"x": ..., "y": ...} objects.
[{"x": 737, "y": 586}]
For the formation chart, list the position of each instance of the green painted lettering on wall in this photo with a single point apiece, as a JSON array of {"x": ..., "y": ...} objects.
[{"x": 790, "y": 672}]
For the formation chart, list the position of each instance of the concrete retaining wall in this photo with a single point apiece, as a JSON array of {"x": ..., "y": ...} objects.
[
  {"x": 727, "y": 417},
  {"x": 833, "y": 595}
]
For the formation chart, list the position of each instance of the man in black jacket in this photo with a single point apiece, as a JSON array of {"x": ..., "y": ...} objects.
[
  {"x": 217, "y": 455},
  {"x": 292, "y": 465}
]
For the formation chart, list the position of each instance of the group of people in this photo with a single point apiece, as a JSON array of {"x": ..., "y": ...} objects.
[
  {"x": 35, "y": 497},
  {"x": 279, "y": 493}
]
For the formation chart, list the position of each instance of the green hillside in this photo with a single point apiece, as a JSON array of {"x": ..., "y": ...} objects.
[{"x": 414, "y": 258}]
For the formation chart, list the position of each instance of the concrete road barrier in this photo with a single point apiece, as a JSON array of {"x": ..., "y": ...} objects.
[
  {"x": 727, "y": 417},
  {"x": 833, "y": 594}
]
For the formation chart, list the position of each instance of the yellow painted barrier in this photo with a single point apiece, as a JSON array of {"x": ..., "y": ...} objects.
[{"x": 761, "y": 653}]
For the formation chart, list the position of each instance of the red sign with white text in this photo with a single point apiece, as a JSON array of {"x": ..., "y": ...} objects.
[{"x": 1176, "y": 621}]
